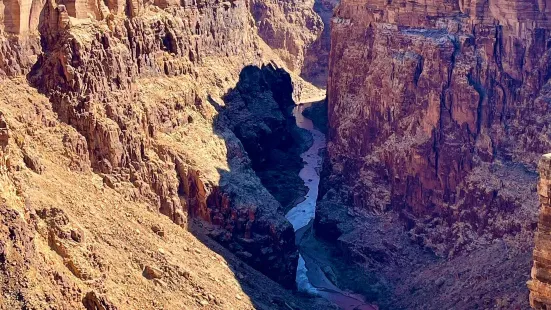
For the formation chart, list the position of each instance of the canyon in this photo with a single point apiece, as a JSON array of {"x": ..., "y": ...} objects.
[
  {"x": 130, "y": 133},
  {"x": 159, "y": 154},
  {"x": 438, "y": 114}
]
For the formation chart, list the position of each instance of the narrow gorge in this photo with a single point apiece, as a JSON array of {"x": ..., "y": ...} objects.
[{"x": 294, "y": 155}]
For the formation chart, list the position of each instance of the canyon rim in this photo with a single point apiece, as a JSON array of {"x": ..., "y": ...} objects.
[{"x": 150, "y": 152}]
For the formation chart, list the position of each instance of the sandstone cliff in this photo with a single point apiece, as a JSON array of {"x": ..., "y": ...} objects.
[
  {"x": 438, "y": 112},
  {"x": 316, "y": 61},
  {"x": 112, "y": 113}
]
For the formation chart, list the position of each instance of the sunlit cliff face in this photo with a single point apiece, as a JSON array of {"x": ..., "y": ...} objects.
[{"x": 120, "y": 105}]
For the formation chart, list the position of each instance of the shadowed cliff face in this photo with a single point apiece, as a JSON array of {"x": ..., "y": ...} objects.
[
  {"x": 437, "y": 115},
  {"x": 253, "y": 119},
  {"x": 425, "y": 105},
  {"x": 258, "y": 110}
]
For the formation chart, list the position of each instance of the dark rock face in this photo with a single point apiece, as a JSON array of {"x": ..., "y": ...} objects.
[
  {"x": 437, "y": 117},
  {"x": 317, "y": 112},
  {"x": 329, "y": 220},
  {"x": 258, "y": 110},
  {"x": 427, "y": 103}
]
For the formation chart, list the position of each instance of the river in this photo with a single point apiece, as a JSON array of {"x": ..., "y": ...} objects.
[{"x": 310, "y": 278}]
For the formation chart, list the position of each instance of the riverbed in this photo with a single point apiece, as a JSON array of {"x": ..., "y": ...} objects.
[{"x": 310, "y": 278}]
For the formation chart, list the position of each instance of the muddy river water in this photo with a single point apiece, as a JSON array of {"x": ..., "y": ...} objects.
[{"x": 310, "y": 278}]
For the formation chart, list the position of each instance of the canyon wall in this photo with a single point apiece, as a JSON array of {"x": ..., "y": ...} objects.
[
  {"x": 131, "y": 99},
  {"x": 289, "y": 27},
  {"x": 135, "y": 130},
  {"x": 435, "y": 109},
  {"x": 438, "y": 114},
  {"x": 316, "y": 57},
  {"x": 72, "y": 238}
]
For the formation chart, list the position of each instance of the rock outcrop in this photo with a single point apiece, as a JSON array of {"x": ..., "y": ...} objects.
[
  {"x": 259, "y": 111},
  {"x": 94, "y": 302},
  {"x": 539, "y": 285},
  {"x": 91, "y": 71},
  {"x": 19, "y": 40},
  {"x": 438, "y": 114},
  {"x": 17, "y": 54},
  {"x": 136, "y": 87}
]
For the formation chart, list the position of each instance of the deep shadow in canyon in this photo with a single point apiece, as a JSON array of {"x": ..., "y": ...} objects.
[
  {"x": 368, "y": 249},
  {"x": 259, "y": 112},
  {"x": 256, "y": 117},
  {"x": 255, "y": 125}
]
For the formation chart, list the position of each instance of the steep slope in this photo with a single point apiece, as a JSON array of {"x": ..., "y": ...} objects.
[
  {"x": 288, "y": 27},
  {"x": 316, "y": 59},
  {"x": 126, "y": 125},
  {"x": 438, "y": 113},
  {"x": 69, "y": 240},
  {"x": 136, "y": 129}
]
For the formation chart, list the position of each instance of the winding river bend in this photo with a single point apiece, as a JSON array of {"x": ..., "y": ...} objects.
[{"x": 310, "y": 278}]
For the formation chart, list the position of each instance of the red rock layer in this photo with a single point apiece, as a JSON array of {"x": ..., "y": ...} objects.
[{"x": 427, "y": 100}]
